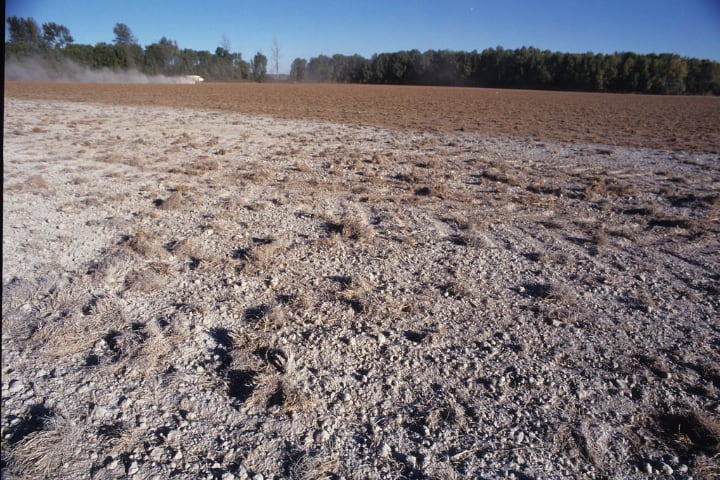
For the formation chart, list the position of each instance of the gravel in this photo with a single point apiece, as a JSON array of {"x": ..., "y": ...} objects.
[{"x": 540, "y": 311}]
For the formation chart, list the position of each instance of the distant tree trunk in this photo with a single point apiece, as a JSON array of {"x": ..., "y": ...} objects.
[{"x": 276, "y": 56}]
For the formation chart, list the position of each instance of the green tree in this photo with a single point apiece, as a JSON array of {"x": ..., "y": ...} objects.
[
  {"x": 161, "y": 57},
  {"x": 123, "y": 35},
  {"x": 24, "y": 30},
  {"x": 259, "y": 67},
  {"x": 103, "y": 56},
  {"x": 55, "y": 35},
  {"x": 320, "y": 69},
  {"x": 298, "y": 70}
]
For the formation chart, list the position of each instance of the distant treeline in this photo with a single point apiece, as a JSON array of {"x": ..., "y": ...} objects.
[
  {"x": 521, "y": 68},
  {"x": 53, "y": 44},
  {"x": 525, "y": 67}
]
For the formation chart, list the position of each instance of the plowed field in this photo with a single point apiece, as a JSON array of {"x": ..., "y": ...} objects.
[{"x": 664, "y": 122}]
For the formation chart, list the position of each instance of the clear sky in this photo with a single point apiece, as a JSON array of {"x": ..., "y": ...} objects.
[{"x": 312, "y": 27}]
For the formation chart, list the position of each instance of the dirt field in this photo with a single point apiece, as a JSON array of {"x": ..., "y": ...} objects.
[
  {"x": 213, "y": 292},
  {"x": 665, "y": 122}
]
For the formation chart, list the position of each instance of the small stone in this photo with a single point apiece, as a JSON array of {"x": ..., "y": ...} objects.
[
  {"x": 112, "y": 465},
  {"x": 258, "y": 476},
  {"x": 321, "y": 436},
  {"x": 16, "y": 386},
  {"x": 666, "y": 469},
  {"x": 156, "y": 453},
  {"x": 411, "y": 461},
  {"x": 133, "y": 468},
  {"x": 648, "y": 469},
  {"x": 345, "y": 397},
  {"x": 384, "y": 451},
  {"x": 227, "y": 476}
]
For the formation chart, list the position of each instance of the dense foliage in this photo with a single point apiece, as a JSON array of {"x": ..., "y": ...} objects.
[
  {"x": 522, "y": 68},
  {"x": 54, "y": 44},
  {"x": 665, "y": 73}
]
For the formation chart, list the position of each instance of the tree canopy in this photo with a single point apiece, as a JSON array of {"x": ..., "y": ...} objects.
[
  {"x": 258, "y": 66},
  {"x": 525, "y": 67}
]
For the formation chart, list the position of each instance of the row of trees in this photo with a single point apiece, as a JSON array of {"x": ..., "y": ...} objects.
[
  {"x": 520, "y": 68},
  {"x": 493, "y": 67},
  {"x": 53, "y": 43}
]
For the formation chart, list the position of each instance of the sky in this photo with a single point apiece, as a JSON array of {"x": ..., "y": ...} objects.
[{"x": 309, "y": 28}]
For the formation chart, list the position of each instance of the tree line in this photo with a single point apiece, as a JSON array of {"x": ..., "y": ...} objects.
[
  {"x": 525, "y": 67},
  {"x": 53, "y": 43}
]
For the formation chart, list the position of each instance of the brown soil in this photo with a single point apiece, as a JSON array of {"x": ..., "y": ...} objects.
[{"x": 662, "y": 122}]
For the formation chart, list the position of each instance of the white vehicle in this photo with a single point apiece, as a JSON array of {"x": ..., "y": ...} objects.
[{"x": 194, "y": 78}]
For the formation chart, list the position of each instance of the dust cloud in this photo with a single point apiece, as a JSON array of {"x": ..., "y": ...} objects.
[{"x": 41, "y": 70}]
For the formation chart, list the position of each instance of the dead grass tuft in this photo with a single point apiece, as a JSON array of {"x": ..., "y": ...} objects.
[
  {"x": 689, "y": 431},
  {"x": 261, "y": 254},
  {"x": 439, "y": 190},
  {"x": 349, "y": 228},
  {"x": 44, "y": 453},
  {"x": 174, "y": 202},
  {"x": 672, "y": 222},
  {"x": 550, "y": 292},
  {"x": 146, "y": 245},
  {"x": 315, "y": 468}
]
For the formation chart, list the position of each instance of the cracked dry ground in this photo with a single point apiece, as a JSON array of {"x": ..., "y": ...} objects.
[{"x": 196, "y": 294}]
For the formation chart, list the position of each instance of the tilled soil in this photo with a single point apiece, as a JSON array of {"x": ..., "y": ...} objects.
[
  {"x": 200, "y": 294},
  {"x": 649, "y": 121}
]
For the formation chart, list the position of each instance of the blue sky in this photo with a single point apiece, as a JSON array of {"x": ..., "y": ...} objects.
[{"x": 311, "y": 27}]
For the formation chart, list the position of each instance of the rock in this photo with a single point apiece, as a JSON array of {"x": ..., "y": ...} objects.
[
  {"x": 15, "y": 386},
  {"x": 133, "y": 468},
  {"x": 227, "y": 476},
  {"x": 156, "y": 454},
  {"x": 666, "y": 469},
  {"x": 411, "y": 461},
  {"x": 321, "y": 436},
  {"x": 384, "y": 450}
]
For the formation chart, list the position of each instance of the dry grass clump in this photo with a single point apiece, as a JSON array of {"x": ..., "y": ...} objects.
[
  {"x": 576, "y": 444},
  {"x": 45, "y": 453},
  {"x": 672, "y": 222},
  {"x": 554, "y": 292},
  {"x": 279, "y": 392},
  {"x": 302, "y": 166},
  {"x": 315, "y": 468},
  {"x": 174, "y": 202},
  {"x": 349, "y": 228},
  {"x": 146, "y": 245},
  {"x": 17, "y": 292},
  {"x": 355, "y": 292},
  {"x": 495, "y": 174},
  {"x": 36, "y": 182},
  {"x": 605, "y": 185},
  {"x": 188, "y": 247},
  {"x": 261, "y": 254},
  {"x": 691, "y": 431},
  {"x": 439, "y": 190},
  {"x": 32, "y": 183},
  {"x": 146, "y": 280}
]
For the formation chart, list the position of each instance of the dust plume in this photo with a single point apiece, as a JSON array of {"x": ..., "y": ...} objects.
[{"x": 36, "y": 69}]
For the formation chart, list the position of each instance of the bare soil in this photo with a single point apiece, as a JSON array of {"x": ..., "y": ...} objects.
[
  {"x": 650, "y": 121},
  {"x": 196, "y": 289}
]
